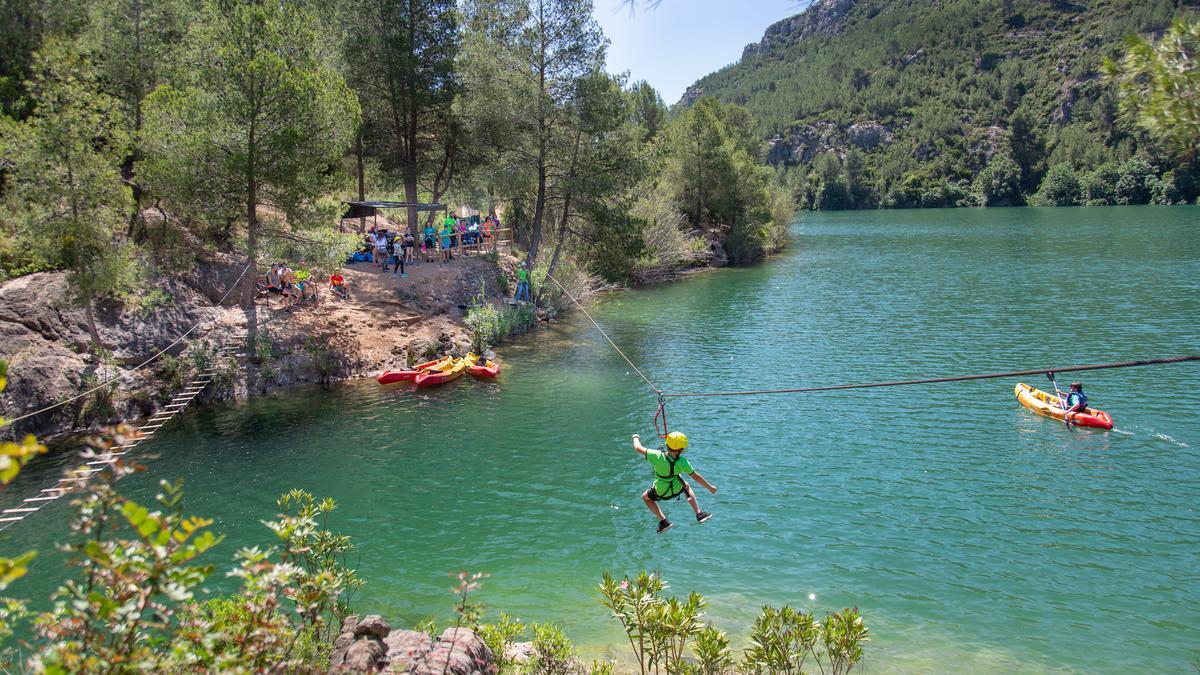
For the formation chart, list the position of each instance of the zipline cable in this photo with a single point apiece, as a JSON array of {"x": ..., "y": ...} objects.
[
  {"x": 958, "y": 378},
  {"x": 134, "y": 369},
  {"x": 657, "y": 391}
]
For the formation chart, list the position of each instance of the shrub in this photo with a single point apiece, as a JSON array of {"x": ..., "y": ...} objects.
[
  {"x": 782, "y": 640},
  {"x": 1060, "y": 187},
  {"x": 553, "y": 653},
  {"x": 999, "y": 183},
  {"x": 1137, "y": 176},
  {"x": 1164, "y": 190},
  {"x": 1099, "y": 187}
]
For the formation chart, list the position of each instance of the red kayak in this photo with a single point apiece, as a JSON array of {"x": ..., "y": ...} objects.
[
  {"x": 489, "y": 370},
  {"x": 444, "y": 375},
  {"x": 392, "y": 376}
]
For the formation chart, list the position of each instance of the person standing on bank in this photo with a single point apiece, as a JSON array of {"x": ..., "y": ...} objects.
[{"x": 669, "y": 467}]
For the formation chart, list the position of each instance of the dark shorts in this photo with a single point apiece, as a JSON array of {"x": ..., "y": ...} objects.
[
  {"x": 429, "y": 242},
  {"x": 655, "y": 497}
]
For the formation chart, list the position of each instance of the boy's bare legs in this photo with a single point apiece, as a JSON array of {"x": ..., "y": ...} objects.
[{"x": 653, "y": 506}]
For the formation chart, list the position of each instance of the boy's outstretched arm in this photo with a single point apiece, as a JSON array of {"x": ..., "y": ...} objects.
[
  {"x": 637, "y": 445},
  {"x": 703, "y": 483}
]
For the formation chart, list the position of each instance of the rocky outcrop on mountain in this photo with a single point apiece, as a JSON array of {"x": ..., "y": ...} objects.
[
  {"x": 823, "y": 17},
  {"x": 805, "y": 142}
]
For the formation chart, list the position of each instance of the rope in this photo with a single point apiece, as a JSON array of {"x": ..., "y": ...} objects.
[
  {"x": 130, "y": 372},
  {"x": 959, "y": 378},
  {"x": 656, "y": 390}
]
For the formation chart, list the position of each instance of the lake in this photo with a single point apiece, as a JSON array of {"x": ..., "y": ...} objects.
[{"x": 972, "y": 534}]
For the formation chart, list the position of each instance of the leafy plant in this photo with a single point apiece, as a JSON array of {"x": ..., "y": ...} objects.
[
  {"x": 482, "y": 322},
  {"x": 499, "y": 637},
  {"x": 553, "y": 653}
]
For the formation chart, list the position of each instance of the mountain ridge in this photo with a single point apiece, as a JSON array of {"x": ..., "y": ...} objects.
[{"x": 932, "y": 91}]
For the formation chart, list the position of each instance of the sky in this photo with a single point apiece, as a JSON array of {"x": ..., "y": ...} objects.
[{"x": 679, "y": 41}]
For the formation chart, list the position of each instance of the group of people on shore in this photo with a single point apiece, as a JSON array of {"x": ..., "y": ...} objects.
[
  {"x": 396, "y": 251},
  {"x": 295, "y": 285}
]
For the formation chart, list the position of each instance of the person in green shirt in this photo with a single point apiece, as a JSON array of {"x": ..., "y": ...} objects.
[
  {"x": 669, "y": 467},
  {"x": 522, "y": 283}
]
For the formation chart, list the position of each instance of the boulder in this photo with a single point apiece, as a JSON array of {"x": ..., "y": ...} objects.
[
  {"x": 406, "y": 648},
  {"x": 459, "y": 651},
  {"x": 372, "y": 626}
]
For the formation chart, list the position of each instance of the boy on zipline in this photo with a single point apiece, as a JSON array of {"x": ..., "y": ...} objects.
[{"x": 669, "y": 466}]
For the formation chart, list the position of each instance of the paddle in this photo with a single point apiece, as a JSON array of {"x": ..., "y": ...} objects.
[{"x": 1061, "y": 401}]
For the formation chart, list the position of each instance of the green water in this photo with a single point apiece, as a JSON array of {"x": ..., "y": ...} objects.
[{"x": 973, "y": 535}]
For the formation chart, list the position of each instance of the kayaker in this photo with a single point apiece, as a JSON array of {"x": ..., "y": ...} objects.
[
  {"x": 669, "y": 467},
  {"x": 1077, "y": 402}
]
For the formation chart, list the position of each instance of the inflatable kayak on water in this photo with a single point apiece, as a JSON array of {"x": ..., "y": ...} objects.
[
  {"x": 444, "y": 374},
  {"x": 489, "y": 369},
  {"x": 392, "y": 376},
  {"x": 1048, "y": 404}
]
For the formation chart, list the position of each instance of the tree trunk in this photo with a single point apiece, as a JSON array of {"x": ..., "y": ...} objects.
[
  {"x": 539, "y": 212},
  {"x": 91, "y": 321},
  {"x": 249, "y": 292},
  {"x": 362, "y": 181}
]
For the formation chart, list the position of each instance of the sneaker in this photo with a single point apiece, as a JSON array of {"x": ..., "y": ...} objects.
[
  {"x": 404, "y": 276},
  {"x": 664, "y": 525},
  {"x": 703, "y": 516}
]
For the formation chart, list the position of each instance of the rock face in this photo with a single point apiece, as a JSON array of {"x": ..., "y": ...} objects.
[
  {"x": 44, "y": 337},
  {"x": 803, "y": 143},
  {"x": 823, "y": 17},
  {"x": 370, "y": 646}
]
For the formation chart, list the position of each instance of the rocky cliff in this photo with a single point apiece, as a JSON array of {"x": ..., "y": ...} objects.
[{"x": 385, "y": 322}]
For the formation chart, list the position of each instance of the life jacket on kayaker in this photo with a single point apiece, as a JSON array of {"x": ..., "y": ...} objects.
[{"x": 1077, "y": 400}]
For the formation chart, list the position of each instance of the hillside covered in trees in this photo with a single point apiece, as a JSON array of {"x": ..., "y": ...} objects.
[{"x": 907, "y": 103}]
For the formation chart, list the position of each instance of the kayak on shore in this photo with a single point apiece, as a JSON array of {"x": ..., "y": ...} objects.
[
  {"x": 488, "y": 369},
  {"x": 393, "y": 376},
  {"x": 444, "y": 374},
  {"x": 1048, "y": 405}
]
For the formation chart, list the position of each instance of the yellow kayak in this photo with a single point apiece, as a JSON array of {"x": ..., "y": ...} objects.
[
  {"x": 451, "y": 372},
  {"x": 1048, "y": 405}
]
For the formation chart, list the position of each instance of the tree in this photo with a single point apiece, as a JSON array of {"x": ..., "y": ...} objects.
[
  {"x": 999, "y": 183},
  {"x": 258, "y": 120},
  {"x": 523, "y": 69},
  {"x": 400, "y": 57},
  {"x": 648, "y": 109},
  {"x": 1159, "y": 86},
  {"x": 1060, "y": 187},
  {"x": 134, "y": 43},
  {"x": 65, "y": 163}
]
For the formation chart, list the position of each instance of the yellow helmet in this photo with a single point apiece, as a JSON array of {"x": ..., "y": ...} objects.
[{"x": 677, "y": 441}]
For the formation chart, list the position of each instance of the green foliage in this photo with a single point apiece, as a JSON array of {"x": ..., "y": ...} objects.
[
  {"x": 1018, "y": 77},
  {"x": 1137, "y": 177},
  {"x": 712, "y": 173},
  {"x": 553, "y": 653},
  {"x": 1060, "y": 187},
  {"x": 1100, "y": 186},
  {"x": 483, "y": 322},
  {"x": 999, "y": 184},
  {"x": 1159, "y": 85},
  {"x": 661, "y": 630},
  {"x": 256, "y": 117},
  {"x": 713, "y": 656},
  {"x": 498, "y": 637},
  {"x": 65, "y": 161}
]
